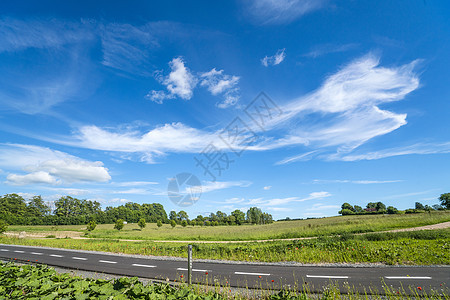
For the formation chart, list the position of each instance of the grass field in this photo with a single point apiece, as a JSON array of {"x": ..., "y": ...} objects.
[
  {"x": 425, "y": 247},
  {"x": 277, "y": 230}
]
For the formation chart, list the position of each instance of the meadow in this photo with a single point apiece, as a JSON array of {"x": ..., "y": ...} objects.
[
  {"x": 426, "y": 247},
  {"x": 277, "y": 230}
]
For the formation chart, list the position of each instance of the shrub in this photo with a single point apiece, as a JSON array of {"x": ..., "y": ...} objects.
[
  {"x": 142, "y": 223},
  {"x": 119, "y": 224},
  {"x": 159, "y": 223},
  {"x": 184, "y": 223},
  {"x": 91, "y": 225},
  {"x": 3, "y": 226},
  {"x": 173, "y": 223}
]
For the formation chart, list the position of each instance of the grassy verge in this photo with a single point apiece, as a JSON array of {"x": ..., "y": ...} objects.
[
  {"x": 410, "y": 248},
  {"x": 277, "y": 230},
  {"x": 42, "y": 282}
]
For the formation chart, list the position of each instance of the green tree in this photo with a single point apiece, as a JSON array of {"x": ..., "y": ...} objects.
[
  {"x": 3, "y": 226},
  {"x": 142, "y": 223},
  {"x": 159, "y": 223},
  {"x": 419, "y": 205},
  {"x": 182, "y": 216},
  {"x": 173, "y": 223},
  {"x": 254, "y": 215},
  {"x": 347, "y": 206},
  {"x": 184, "y": 223},
  {"x": 392, "y": 210},
  {"x": 173, "y": 215},
  {"x": 37, "y": 207},
  {"x": 119, "y": 224},
  {"x": 91, "y": 226},
  {"x": 358, "y": 209},
  {"x": 380, "y": 207},
  {"x": 346, "y": 212},
  {"x": 239, "y": 216},
  {"x": 445, "y": 200}
]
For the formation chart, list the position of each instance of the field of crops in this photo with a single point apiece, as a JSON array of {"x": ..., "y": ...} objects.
[
  {"x": 426, "y": 247},
  {"x": 277, "y": 230}
]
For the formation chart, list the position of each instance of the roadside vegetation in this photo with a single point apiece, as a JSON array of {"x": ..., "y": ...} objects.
[
  {"x": 42, "y": 282},
  {"x": 427, "y": 247},
  {"x": 277, "y": 230}
]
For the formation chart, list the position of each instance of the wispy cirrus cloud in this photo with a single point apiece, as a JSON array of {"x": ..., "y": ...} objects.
[
  {"x": 321, "y": 50},
  {"x": 275, "y": 59},
  {"x": 280, "y": 11},
  {"x": 321, "y": 181}
]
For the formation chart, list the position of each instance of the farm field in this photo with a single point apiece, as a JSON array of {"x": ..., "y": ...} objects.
[
  {"x": 277, "y": 230},
  {"x": 426, "y": 247}
]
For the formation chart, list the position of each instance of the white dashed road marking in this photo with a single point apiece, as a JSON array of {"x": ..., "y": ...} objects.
[
  {"x": 256, "y": 274},
  {"x": 37, "y": 253},
  {"x": 79, "y": 258},
  {"x": 327, "y": 276},
  {"x": 407, "y": 277},
  {"x": 19, "y": 251},
  {"x": 145, "y": 266},
  {"x": 55, "y": 255},
  {"x": 4, "y": 250},
  {"x": 108, "y": 261},
  {"x": 193, "y": 270}
]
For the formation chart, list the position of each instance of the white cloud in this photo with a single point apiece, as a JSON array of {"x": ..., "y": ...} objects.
[
  {"x": 210, "y": 186},
  {"x": 266, "y": 188},
  {"x": 421, "y": 148},
  {"x": 280, "y": 11},
  {"x": 329, "y": 48},
  {"x": 179, "y": 83},
  {"x": 44, "y": 165},
  {"x": 274, "y": 59},
  {"x": 219, "y": 83},
  {"x": 31, "y": 178},
  {"x": 322, "y": 207},
  {"x": 135, "y": 183}
]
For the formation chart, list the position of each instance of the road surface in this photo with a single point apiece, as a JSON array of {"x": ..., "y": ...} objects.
[{"x": 238, "y": 274}]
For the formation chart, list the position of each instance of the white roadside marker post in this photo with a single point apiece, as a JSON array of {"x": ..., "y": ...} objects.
[{"x": 189, "y": 264}]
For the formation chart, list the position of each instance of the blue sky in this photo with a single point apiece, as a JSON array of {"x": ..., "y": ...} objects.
[{"x": 110, "y": 100}]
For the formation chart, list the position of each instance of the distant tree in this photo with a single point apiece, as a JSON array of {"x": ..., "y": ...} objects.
[
  {"x": 254, "y": 215},
  {"x": 347, "y": 206},
  {"x": 91, "y": 226},
  {"x": 445, "y": 200},
  {"x": 119, "y": 224},
  {"x": 419, "y": 205},
  {"x": 173, "y": 223},
  {"x": 142, "y": 223},
  {"x": 438, "y": 207},
  {"x": 392, "y": 210},
  {"x": 159, "y": 223},
  {"x": 3, "y": 226},
  {"x": 182, "y": 216},
  {"x": 371, "y": 205},
  {"x": 346, "y": 212},
  {"x": 207, "y": 223},
  {"x": 239, "y": 216},
  {"x": 231, "y": 220},
  {"x": 37, "y": 207},
  {"x": 173, "y": 215},
  {"x": 380, "y": 207},
  {"x": 215, "y": 223},
  {"x": 358, "y": 209},
  {"x": 184, "y": 223}
]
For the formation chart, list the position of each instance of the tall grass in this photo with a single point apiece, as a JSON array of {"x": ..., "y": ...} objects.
[
  {"x": 409, "y": 248},
  {"x": 277, "y": 230}
]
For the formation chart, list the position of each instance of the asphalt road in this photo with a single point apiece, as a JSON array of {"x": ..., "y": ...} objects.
[{"x": 237, "y": 274}]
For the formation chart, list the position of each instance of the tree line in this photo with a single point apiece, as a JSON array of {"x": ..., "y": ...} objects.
[
  {"x": 15, "y": 210},
  {"x": 380, "y": 208}
]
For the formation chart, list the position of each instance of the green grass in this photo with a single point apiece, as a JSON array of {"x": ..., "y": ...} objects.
[
  {"x": 277, "y": 230},
  {"x": 426, "y": 247}
]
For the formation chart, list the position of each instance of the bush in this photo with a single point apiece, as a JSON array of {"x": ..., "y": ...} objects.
[
  {"x": 3, "y": 226},
  {"x": 159, "y": 223},
  {"x": 119, "y": 224},
  {"x": 91, "y": 225},
  {"x": 173, "y": 223},
  {"x": 184, "y": 223},
  {"x": 142, "y": 223}
]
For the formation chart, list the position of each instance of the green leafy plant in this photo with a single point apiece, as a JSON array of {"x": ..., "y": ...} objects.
[
  {"x": 91, "y": 226},
  {"x": 119, "y": 224},
  {"x": 142, "y": 223},
  {"x": 159, "y": 223},
  {"x": 3, "y": 226}
]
